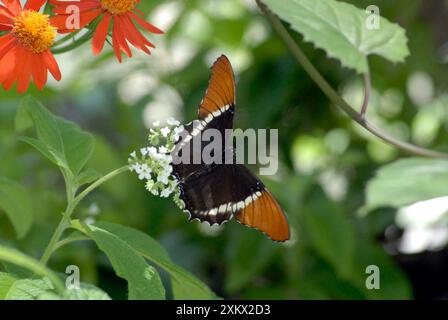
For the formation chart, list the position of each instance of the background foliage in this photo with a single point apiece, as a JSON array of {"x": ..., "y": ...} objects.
[{"x": 341, "y": 222}]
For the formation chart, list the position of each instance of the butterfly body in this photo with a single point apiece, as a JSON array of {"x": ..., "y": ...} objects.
[{"x": 217, "y": 192}]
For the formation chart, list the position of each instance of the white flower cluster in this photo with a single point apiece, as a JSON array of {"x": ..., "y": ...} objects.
[{"x": 153, "y": 163}]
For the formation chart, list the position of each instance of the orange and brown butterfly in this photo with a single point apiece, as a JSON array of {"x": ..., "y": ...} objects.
[{"x": 216, "y": 193}]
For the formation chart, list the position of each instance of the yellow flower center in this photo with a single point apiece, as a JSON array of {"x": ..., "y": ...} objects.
[
  {"x": 34, "y": 31},
  {"x": 118, "y": 6}
]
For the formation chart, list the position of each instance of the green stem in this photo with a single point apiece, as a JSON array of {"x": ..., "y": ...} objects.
[
  {"x": 69, "y": 240},
  {"x": 75, "y": 44},
  {"x": 335, "y": 97},
  {"x": 20, "y": 259},
  {"x": 72, "y": 204},
  {"x": 80, "y": 41},
  {"x": 66, "y": 38},
  {"x": 63, "y": 224},
  {"x": 99, "y": 182}
]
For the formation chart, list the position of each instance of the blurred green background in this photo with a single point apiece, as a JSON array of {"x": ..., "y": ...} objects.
[{"x": 325, "y": 159}]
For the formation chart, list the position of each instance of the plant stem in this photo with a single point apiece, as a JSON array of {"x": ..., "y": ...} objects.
[
  {"x": 63, "y": 224},
  {"x": 75, "y": 44},
  {"x": 99, "y": 182},
  {"x": 20, "y": 259},
  {"x": 335, "y": 97},
  {"x": 68, "y": 240},
  {"x": 72, "y": 204},
  {"x": 367, "y": 88}
]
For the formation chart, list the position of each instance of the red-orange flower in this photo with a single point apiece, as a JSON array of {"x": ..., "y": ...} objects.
[
  {"x": 25, "y": 48},
  {"x": 121, "y": 14}
]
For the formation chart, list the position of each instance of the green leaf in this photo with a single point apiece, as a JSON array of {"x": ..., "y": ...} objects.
[
  {"x": 17, "y": 271},
  {"x": 88, "y": 176},
  {"x": 144, "y": 282},
  {"x": 61, "y": 141},
  {"x": 330, "y": 232},
  {"x": 12, "y": 288},
  {"x": 45, "y": 151},
  {"x": 16, "y": 202},
  {"x": 84, "y": 293},
  {"x": 78, "y": 145},
  {"x": 340, "y": 29},
  {"x": 249, "y": 254},
  {"x": 20, "y": 259},
  {"x": 407, "y": 181},
  {"x": 393, "y": 283},
  {"x": 6, "y": 282},
  {"x": 184, "y": 285},
  {"x": 318, "y": 282}
]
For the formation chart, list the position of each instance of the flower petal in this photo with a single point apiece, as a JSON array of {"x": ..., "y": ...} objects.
[
  {"x": 6, "y": 18},
  {"x": 137, "y": 35},
  {"x": 14, "y": 6},
  {"x": 116, "y": 45},
  {"x": 119, "y": 41},
  {"x": 6, "y": 12},
  {"x": 7, "y": 64},
  {"x": 34, "y": 4},
  {"x": 6, "y": 43},
  {"x": 39, "y": 72},
  {"x": 63, "y": 6},
  {"x": 99, "y": 38},
  {"x": 61, "y": 20},
  {"x": 25, "y": 70},
  {"x": 130, "y": 33},
  {"x": 146, "y": 25},
  {"x": 52, "y": 65}
]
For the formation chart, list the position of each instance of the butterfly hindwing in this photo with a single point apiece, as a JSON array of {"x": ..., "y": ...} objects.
[
  {"x": 263, "y": 212},
  {"x": 217, "y": 194},
  {"x": 208, "y": 194}
]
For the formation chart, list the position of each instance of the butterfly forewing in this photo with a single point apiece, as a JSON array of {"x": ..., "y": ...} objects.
[{"x": 220, "y": 94}]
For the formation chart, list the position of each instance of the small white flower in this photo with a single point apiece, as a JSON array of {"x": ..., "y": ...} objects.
[
  {"x": 163, "y": 177},
  {"x": 133, "y": 154},
  {"x": 154, "y": 190},
  {"x": 156, "y": 123},
  {"x": 152, "y": 187},
  {"x": 149, "y": 185},
  {"x": 165, "y": 193},
  {"x": 163, "y": 149},
  {"x": 143, "y": 151},
  {"x": 152, "y": 152},
  {"x": 172, "y": 122},
  {"x": 165, "y": 131},
  {"x": 137, "y": 167},
  {"x": 179, "y": 129},
  {"x": 142, "y": 176},
  {"x": 174, "y": 137}
]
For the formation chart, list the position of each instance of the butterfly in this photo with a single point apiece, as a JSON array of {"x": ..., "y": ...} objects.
[{"x": 218, "y": 192}]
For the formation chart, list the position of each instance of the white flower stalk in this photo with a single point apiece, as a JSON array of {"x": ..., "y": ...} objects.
[{"x": 153, "y": 163}]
